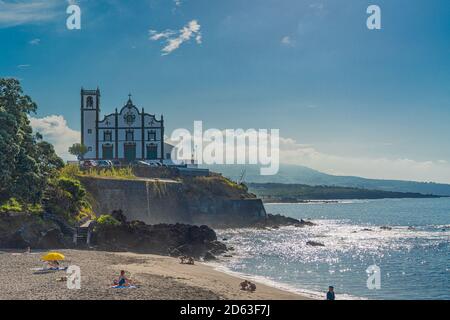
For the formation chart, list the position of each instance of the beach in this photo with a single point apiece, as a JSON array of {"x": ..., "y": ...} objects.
[{"x": 157, "y": 277}]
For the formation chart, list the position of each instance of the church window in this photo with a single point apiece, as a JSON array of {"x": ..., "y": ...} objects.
[
  {"x": 152, "y": 135},
  {"x": 130, "y": 135},
  {"x": 90, "y": 102},
  {"x": 107, "y": 136}
]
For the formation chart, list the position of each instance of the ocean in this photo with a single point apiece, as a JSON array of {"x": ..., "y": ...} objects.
[{"x": 413, "y": 256}]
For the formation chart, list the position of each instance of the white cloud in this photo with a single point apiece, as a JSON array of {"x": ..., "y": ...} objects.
[
  {"x": 287, "y": 41},
  {"x": 35, "y": 42},
  {"x": 317, "y": 6},
  {"x": 174, "y": 39},
  {"x": 292, "y": 152},
  {"x": 55, "y": 130},
  {"x": 14, "y": 13}
]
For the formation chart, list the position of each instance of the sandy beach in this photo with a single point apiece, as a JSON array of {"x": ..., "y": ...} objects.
[{"x": 158, "y": 277}]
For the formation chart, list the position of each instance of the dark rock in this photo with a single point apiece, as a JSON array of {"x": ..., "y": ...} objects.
[
  {"x": 209, "y": 256},
  {"x": 315, "y": 244},
  {"x": 165, "y": 239},
  {"x": 276, "y": 221},
  {"x": 119, "y": 216},
  {"x": 216, "y": 247},
  {"x": 30, "y": 230},
  {"x": 386, "y": 228}
]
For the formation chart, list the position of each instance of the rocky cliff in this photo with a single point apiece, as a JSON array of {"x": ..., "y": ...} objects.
[
  {"x": 213, "y": 201},
  {"x": 30, "y": 230},
  {"x": 175, "y": 240}
]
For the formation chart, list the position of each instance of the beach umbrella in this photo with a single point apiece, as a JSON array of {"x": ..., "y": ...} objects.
[{"x": 53, "y": 256}]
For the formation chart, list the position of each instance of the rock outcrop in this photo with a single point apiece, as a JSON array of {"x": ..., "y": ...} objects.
[
  {"x": 19, "y": 231},
  {"x": 315, "y": 244},
  {"x": 276, "y": 221},
  {"x": 165, "y": 239}
]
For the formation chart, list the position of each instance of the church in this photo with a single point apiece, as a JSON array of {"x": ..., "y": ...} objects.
[{"x": 125, "y": 135}]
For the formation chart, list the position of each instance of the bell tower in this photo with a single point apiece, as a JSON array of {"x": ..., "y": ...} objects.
[{"x": 90, "y": 112}]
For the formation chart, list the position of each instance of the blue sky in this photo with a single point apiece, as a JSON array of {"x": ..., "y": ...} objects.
[{"x": 346, "y": 99}]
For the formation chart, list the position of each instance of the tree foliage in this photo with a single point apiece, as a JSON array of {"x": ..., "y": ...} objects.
[
  {"x": 25, "y": 161},
  {"x": 79, "y": 150},
  {"x": 65, "y": 197}
]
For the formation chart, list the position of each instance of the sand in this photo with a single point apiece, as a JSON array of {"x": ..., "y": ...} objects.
[{"x": 159, "y": 278}]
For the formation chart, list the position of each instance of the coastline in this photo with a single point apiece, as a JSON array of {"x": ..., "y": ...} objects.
[{"x": 158, "y": 277}]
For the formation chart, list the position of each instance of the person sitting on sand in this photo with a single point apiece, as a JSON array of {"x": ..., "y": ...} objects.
[
  {"x": 248, "y": 286},
  {"x": 330, "y": 293},
  {"x": 187, "y": 260},
  {"x": 123, "y": 280},
  {"x": 53, "y": 265}
]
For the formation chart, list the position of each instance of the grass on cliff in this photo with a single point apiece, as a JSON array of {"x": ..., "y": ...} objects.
[
  {"x": 14, "y": 206},
  {"x": 74, "y": 171},
  {"x": 216, "y": 185}
]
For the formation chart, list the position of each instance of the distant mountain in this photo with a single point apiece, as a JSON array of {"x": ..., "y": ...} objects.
[
  {"x": 281, "y": 192},
  {"x": 293, "y": 174}
]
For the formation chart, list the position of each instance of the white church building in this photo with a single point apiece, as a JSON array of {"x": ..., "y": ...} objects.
[{"x": 127, "y": 134}]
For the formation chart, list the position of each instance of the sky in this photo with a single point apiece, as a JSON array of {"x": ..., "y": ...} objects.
[{"x": 347, "y": 100}]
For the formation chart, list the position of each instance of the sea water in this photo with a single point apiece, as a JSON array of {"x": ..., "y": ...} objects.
[{"x": 413, "y": 256}]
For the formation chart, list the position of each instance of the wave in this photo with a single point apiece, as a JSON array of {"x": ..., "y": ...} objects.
[
  {"x": 282, "y": 258},
  {"x": 278, "y": 285}
]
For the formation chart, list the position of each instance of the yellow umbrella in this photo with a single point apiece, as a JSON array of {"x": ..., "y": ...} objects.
[{"x": 53, "y": 256}]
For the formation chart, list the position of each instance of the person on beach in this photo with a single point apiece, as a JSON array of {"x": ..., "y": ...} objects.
[
  {"x": 123, "y": 280},
  {"x": 330, "y": 293},
  {"x": 53, "y": 265}
]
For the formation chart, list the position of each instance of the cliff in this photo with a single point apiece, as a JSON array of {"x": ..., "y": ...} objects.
[{"x": 214, "y": 200}]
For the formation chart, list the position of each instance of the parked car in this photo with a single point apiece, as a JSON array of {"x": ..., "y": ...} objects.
[
  {"x": 105, "y": 164},
  {"x": 154, "y": 163},
  {"x": 116, "y": 163},
  {"x": 139, "y": 163},
  {"x": 89, "y": 164}
]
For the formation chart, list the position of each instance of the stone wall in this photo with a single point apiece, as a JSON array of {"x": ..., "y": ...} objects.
[{"x": 156, "y": 202}]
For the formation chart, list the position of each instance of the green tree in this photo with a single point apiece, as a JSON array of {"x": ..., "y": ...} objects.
[
  {"x": 79, "y": 150},
  {"x": 25, "y": 163}
]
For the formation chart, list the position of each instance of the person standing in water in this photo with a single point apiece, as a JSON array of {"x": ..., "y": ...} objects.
[{"x": 330, "y": 293}]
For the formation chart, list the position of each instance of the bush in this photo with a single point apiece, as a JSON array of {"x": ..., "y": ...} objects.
[
  {"x": 107, "y": 220},
  {"x": 14, "y": 206},
  {"x": 71, "y": 171},
  {"x": 66, "y": 197},
  {"x": 116, "y": 173},
  {"x": 10, "y": 206}
]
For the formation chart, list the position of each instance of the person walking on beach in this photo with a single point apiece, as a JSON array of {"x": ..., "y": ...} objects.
[{"x": 330, "y": 293}]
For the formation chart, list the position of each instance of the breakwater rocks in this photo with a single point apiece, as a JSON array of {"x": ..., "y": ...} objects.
[{"x": 163, "y": 239}]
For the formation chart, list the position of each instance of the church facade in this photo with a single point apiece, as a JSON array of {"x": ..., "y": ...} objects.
[{"x": 127, "y": 134}]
